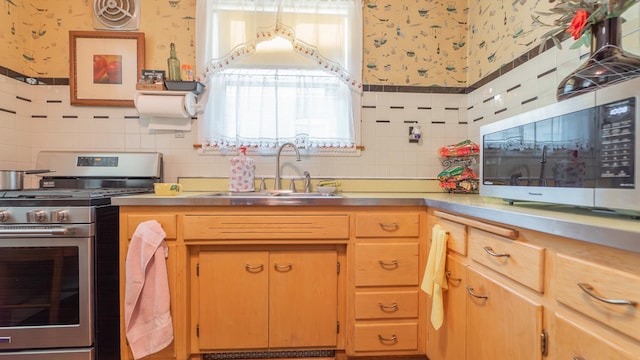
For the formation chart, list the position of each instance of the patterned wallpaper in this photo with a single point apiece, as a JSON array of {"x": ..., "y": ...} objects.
[
  {"x": 499, "y": 32},
  {"x": 415, "y": 43},
  {"x": 36, "y": 32},
  {"x": 432, "y": 43}
]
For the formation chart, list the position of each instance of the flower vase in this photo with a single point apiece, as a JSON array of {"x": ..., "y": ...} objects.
[{"x": 607, "y": 64}]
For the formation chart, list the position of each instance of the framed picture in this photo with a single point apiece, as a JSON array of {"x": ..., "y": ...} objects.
[{"x": 105, "y": 67}]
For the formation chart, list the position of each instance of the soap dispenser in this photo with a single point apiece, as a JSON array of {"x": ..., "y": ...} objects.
[{"x": 242, "y": 173}]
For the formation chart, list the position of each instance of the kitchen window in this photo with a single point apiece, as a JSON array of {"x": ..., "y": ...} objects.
[{"x": 280, "y": 71}]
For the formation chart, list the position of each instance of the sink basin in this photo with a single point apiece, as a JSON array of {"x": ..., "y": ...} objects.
[{"x": 274, "y": 194}]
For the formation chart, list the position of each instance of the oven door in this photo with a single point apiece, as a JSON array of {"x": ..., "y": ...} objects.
[{"x": 45, "y": 291}]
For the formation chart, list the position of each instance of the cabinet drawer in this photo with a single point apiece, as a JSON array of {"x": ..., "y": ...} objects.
[
  {"x": 278, "y": 227},
  {"x": 168, "y": 223},
  {"x": 456, "y": 235},
  {"x": 388, "y": 225},
  {"x": 515, "y": 259},
  {"x": 575, "y": 342},
  {"x": 386, "y": 337},
  {"x": 386, "y": 305},
  {"x": 606, "y": 283},
  {"x": 386, "y": 264}
]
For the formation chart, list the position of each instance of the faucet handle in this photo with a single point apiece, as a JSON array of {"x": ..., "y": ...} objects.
[
  {"x": 263, "y": 185},
  {"x": 292, "y": 184}
]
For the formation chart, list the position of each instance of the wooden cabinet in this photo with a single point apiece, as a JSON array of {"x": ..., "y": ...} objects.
[
  {"x": 501, "y": 323},
  {"x": 266, "y": 299},
  {"x": 598, "y": 316},
  {"x": 266, "y": 226},
  {"x": 450, "y": 341},
  {"x": 579, "y": 342},
  {"x": 521, "y": 294},
  {"x": 607, "y": 294},
  {"x": 387, "y": 307},
  {"x": 488, "y": 313},
  {"x": 517, "y": 260},
  {"x": 129, "y": 224}
]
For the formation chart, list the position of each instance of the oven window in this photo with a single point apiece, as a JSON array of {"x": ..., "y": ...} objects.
[{"x": 39, "y": 286}]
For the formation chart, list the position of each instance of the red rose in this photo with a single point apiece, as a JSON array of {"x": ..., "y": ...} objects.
[{"x": 578, "y": 23}]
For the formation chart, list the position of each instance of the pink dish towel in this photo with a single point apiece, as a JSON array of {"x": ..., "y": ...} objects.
[{"x": 147, "y": 312}]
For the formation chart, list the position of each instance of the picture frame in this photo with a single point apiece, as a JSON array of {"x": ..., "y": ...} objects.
[{"x": 105, "y": 67}]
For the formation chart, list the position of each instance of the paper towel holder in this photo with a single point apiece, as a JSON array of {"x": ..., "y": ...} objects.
[{"x": 190, "y": 99}]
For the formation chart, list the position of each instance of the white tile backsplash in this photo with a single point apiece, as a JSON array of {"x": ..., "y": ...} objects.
[{"x": 34, "y": 118}]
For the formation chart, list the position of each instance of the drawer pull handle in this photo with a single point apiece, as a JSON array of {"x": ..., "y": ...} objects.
[
  {"x": 393, "y": 338},
  {"x": 490, "y": 251},
  {"x": 577, "y": 358},
  {"x": 388, "y": 308},
  {"x": 252, "y": 268},
  {"x": 589, "y": 290},
  {"x": 283, "y": 268},
  {"x": 449, "y": 274},
  {"x": 470, "y": 291},
  {"x": 389, "y": 227},
  {"x": 393, "y": 263}
]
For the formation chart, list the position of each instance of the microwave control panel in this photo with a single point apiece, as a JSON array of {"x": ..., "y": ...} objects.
[{"x": 617, "y": 145}]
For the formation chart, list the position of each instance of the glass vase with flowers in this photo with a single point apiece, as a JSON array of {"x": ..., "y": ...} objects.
[{"x": 596, "y": 24}]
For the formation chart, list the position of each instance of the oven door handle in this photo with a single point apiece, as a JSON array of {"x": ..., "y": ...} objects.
[{"x": 34, "y": 230}]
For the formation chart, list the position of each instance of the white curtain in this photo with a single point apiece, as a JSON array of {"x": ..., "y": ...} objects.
[{"x": 279, "y": 71}]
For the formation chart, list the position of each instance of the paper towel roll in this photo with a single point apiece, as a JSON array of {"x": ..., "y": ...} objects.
[{"x": 165, "y": 106}]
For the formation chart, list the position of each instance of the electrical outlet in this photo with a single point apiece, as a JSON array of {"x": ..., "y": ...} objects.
[
  {"x": 179, "y": 134},
  {"x": 415, "y": 134}
]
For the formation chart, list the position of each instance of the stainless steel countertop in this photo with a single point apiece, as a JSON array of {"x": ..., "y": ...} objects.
[{"x": 612, "y": 230}]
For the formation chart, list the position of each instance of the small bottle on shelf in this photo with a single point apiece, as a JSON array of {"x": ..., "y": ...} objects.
[
  {"x": 173, "y": 64},
  {"x": 187, "y": 72}
]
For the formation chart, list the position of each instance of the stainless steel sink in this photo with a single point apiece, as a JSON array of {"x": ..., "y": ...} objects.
[{"x": 274, "y": 194}]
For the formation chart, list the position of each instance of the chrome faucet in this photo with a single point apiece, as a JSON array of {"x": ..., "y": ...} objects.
[
  {"x": 543, "y": 163},
  {"x": 307, "y": 182},
  {"x": 277, "y": 185}
]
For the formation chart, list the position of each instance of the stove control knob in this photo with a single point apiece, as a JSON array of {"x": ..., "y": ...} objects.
[
  {"x": 4, "y": 215},
  {"x": 37, "y": 216},
  {"x": 60, "y": 215}
]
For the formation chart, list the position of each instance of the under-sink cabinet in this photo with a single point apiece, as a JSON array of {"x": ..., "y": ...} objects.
[
  {"x": 252, "y": 299},
  {"x": 260, "y": 279}
]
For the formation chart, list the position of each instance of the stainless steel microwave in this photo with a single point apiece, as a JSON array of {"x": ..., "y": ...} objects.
[{"x": 582, "y": 151}]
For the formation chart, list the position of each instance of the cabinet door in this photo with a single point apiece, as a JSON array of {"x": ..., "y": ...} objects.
[
  {"x": 501, "y": 324},
  {"x": 448, "y": 342},
  {"x": 233, "y": 303},
  {"x": 577, "y": 342},
  {"x": 303, "y": 297}
]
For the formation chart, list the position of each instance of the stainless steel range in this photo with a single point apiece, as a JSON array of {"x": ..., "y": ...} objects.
[{"x": 59, "y": 263}]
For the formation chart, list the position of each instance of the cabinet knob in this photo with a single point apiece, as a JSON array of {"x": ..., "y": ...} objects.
[
  {"x": 254, "y": 268},
  {"x": 470, "y": 291},
  {"x": 388, "y": 308},
  {"x": 589, "y": 290},
  {"x": 389, "y": 227},
  {"x": 393, "y": 338},
  {"x": 490, "y": 251},
  {"x": 283, "y": 268},
  {"x": 391, "y": 264}
]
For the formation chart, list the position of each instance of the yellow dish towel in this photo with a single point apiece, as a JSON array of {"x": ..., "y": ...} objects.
[{"x": 434, "y": 280}]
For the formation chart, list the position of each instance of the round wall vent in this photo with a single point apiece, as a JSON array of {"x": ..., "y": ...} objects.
[{"x": 116, "y": 14}]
